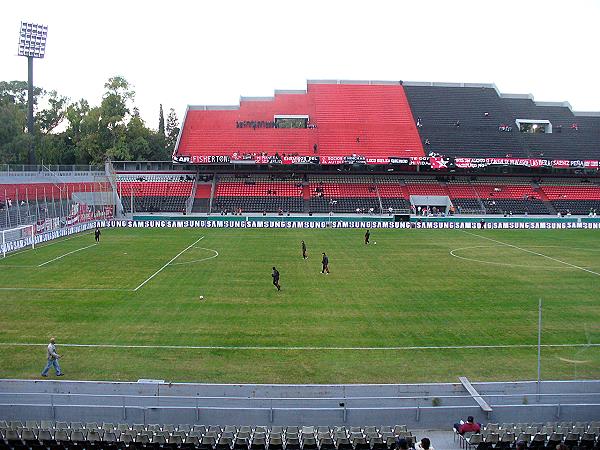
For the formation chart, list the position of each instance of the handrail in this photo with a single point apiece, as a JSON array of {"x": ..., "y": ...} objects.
[{"x": 346, "y": 398}]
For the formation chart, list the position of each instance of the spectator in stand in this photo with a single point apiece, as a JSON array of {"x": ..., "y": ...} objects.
[
  {"x": 425, "y": 444},
  {"x": 419, "y": 122},
  {"x": 575, "y": 127},
  {"x": 521, "y": 445},
  {"x": 470, "y": 426},
  {"x": 427, "y": 142},
  {"x": 402, "y": 444},
  {"x": 457, "y": 124}
]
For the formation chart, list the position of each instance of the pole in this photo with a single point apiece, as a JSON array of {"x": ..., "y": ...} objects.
[
  {"x": 30, "y": 108},
  {"x": 539, "y": 350}
]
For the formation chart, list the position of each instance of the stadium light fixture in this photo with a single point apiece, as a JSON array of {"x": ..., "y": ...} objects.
[{"x": 32, "y": 44}]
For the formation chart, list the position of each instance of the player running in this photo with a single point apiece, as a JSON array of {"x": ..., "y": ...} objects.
[
  {"x": 325, "y": 263},
  {"x": 275, "y": 276},
  {"x": 304, "y": 255},
  {"x": 367, "y": 236}
]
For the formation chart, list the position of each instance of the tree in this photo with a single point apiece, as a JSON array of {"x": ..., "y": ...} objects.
[
  {"x": 161, "y": 121},
  {"x": 48, "y": 119},
  {"x": 172, "y": 130},
  {"x": 15, "y": 92}
]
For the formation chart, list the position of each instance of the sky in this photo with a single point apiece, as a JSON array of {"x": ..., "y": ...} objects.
[{"x": 196, "y": 52}]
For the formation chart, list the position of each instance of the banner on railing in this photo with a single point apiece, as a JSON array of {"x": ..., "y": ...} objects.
[
  {"x": 257, "y": 223},
  {"x": 18, "y": 244},
  {"x": 437, "y": 162}
]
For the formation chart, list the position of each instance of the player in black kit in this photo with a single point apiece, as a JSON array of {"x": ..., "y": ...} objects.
[
  {"x": 325, "y": 263},
  {"x": 304, "y": 255},
  {"x": 97, "y": 235},
  {"x": 275, "y": 276},
  {"x": 367, "y": 236}
]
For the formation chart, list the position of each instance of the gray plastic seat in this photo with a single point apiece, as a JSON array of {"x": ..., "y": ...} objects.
[
  {"x": 61, "y": 436},
  {"x": 109, "y": 436},
  {"x": 28, "y": 435},
  {"x": 94, "y": 435},
  {"x": 76, "y": 426}
]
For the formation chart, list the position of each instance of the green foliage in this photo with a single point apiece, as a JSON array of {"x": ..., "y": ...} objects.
[
  {"x": 77, "y": 132},
  {"x": 161, "y": 121},
  {"x": 172, "y": 131}
]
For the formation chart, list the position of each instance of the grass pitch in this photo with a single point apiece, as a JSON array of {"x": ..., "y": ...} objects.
[{"x": 407, "y": 309}]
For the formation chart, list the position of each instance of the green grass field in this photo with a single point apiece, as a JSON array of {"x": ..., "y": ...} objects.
[{"x": 414, "y": 288}]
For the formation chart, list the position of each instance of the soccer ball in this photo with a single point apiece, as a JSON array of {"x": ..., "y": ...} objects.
[
  {"x": 375, "y": 243},
  {"x": 202, "y": 297}
]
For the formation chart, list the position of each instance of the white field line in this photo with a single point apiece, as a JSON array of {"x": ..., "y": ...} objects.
[
  {"x": 292, "y": 348},
  {"x": 45, "y": 244},
  {"x": 66, "y": 254},
  {"x": 534, "y": 253},
  {"x": 172, "y": 259},
  {"x": 216, "y": 253},
  {"x": 62, "y": 289}
]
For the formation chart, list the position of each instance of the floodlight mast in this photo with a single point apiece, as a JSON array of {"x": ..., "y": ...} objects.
[{"x": 32, "y": 44}]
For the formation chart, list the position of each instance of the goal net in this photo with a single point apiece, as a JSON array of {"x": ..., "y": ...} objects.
[{"x": 13, "y": 239}]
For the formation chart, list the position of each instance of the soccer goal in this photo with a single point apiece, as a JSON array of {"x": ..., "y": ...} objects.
[{"x": 16, "y": 238}]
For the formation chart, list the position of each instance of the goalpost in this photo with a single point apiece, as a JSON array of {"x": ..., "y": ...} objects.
[{"x": 16, "y": 238}]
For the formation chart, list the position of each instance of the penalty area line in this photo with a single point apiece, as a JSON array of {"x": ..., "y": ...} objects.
[
  {"x": 66, "y": 254},
  {"x": 172, "y": 259},
  {"x": 46, "y": 244},
  {"x": 533, "y": 253},
  {"x": 279, "y": 348}
]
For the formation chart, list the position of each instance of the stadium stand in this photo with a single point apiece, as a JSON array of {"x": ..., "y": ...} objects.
[
  {"x": 15, "y": 435},
  {"x": 258, "y": 194},
  {"x": 581, "y": 199},
  {"x": 574, "y": 435},
  {"x": 454, "y": 122},
  {"x": 155, "y": 192},
  {"x": 283, "y": 193},
  {"x": 42, "y": 191},
  {"x": 343, "y": 194},
  {"x": 370, "y": 120},
  {"x": 573, "y": 136}
]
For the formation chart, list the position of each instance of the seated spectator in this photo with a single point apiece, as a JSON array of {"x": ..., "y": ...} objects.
[
  {"x": 575, "y": 127},
  {"x": 486, "y": 114},
  {"x": 457, "y": 124},
  {"x": 470, "y": 426},
  {"x": 419, "y": 122},
  {"x": 425, "y": 444},
  {"x": 402, "y": 444},
  {"x": 521, "y": 445}
]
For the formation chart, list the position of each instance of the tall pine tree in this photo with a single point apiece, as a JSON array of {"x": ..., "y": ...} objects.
[
  {"x": 161, "y": 121},
  {"x": 172, "y": 130}
]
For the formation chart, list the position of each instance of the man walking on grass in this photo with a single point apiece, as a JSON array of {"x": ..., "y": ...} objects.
[
  {"x": 53, "y": 358},
  {"x": 275, "y": 276},
  {"x": 325, "y": 263}
]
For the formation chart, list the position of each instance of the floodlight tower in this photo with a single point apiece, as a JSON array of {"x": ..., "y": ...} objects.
[{"x": 32, "y": 44}]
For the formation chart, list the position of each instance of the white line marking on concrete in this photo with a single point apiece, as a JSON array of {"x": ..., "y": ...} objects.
[
  {"x": 66, "y": 254},
  {"x": 216, "y": 253},
  {"x": 534, "y": 253},
  {"x": 173, "y": 259},
  {"x": 224, "y": 347}
]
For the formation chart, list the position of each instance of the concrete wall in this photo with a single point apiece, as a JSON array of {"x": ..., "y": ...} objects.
[{"x": 416, "y": 405}]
